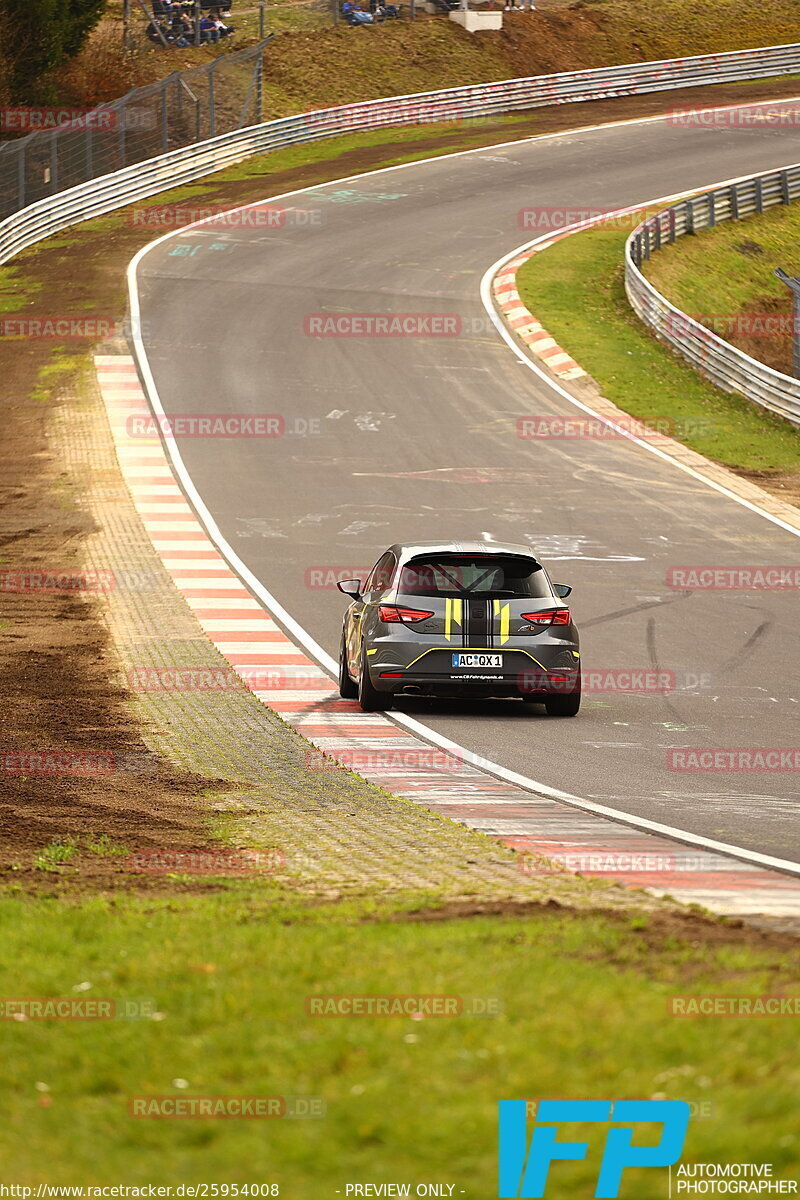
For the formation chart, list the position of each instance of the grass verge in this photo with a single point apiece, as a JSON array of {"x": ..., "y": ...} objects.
[
  {"x": 221, "y": 982},
  {"x": 311, "y": 64},
  {"x": 726, "y": 278},
  {"x": 576, "y": 289}
]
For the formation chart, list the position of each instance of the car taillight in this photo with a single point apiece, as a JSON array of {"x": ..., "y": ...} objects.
[
  {"x": 550, "y": 616},
  {"x": 394, "y": 612}
]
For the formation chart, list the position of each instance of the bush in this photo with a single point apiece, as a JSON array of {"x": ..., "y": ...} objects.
[{"x": 39, "y": 35}]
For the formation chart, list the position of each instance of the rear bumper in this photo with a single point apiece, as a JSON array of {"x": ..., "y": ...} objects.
[
  {"x": 477, "y": 689},
  {"x": 433, "y": 675}
]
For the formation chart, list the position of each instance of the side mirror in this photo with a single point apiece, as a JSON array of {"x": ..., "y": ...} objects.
[
  {"x": 562, "y": 590},
  {"x": 350, "y": 587}
]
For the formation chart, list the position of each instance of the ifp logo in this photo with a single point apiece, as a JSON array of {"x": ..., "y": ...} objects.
[{"x": 524, "y": 1171}]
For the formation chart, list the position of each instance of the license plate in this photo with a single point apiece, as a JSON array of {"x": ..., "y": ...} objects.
[{"x": 477, "y": 660}]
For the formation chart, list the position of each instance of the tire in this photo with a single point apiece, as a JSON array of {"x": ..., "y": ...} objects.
[
  {"x": 347, "y": 689},
  {"x": 370, "y": 699},
  {"x": 564, "y": 706}
]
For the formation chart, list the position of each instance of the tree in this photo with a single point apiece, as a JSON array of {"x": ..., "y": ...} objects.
[{"x": 41, "y": 35}]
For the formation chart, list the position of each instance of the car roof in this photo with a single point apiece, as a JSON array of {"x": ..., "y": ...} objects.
[{"x": 408, "y": 551}]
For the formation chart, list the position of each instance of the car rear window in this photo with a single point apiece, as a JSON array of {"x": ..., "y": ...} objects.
[{"x": 474, "y": 575}]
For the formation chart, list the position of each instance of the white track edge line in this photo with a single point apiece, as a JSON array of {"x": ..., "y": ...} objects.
[{"x": 324, "y": 659}]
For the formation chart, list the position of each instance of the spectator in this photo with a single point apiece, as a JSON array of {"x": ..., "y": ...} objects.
[
  {"x": 355, "y": 15},
  {"x": 208, "y": 31},
  {"x": 158, "y": 33},
  {"x": 222, "y": 29},
  {"x": 181, "y": 26}
]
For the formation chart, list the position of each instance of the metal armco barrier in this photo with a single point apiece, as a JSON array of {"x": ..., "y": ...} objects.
[
  {"x": 118, "y": 188},
  {"x": 723, "y": 364}
]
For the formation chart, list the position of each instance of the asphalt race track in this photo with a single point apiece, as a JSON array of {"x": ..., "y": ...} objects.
[{"x": 392, "y": 439}]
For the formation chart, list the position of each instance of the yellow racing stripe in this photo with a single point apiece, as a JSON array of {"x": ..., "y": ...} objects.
[
  {"x": 503, "y": 611},
  {"x": 452, "y": 616}
]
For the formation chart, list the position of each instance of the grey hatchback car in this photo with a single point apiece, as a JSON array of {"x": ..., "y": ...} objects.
[{"x": 469, "y": 619}]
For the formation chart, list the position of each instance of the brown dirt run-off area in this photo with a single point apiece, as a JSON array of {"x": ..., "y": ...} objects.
[{"x": 58, "y": 692}]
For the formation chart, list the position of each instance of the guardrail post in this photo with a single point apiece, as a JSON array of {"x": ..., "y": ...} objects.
[
  {"x": 53, "y": 162},
  {"x": 212, "y": 106},
  {"x": 712, "y": 210},
  {"x": 89, "y": 154},
  {"x": 785, "y": 193},
  {"x": 734, "y": 202},
  {"x": 122, "y": 129},
  {"x": 759, "y": 195},
  {"x": 164, "y": 118},
  {"x": 690, "y": 216},
  {"x": 21, "y": 174},
  {"x": 794, "y": 285},
  {"x": 657, "y": 232},
  {"x": 672, "y": 225},
  {"x": 646, "y": 241}
]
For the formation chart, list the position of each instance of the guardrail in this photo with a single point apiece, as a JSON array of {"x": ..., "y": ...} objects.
[
  {"x": 724, "y": 364},
  {"x": 120, "y": 187}
]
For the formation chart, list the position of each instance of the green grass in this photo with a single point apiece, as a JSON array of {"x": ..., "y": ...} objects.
[
  {"x": 576, "y": 289},
  {"x": 62, "y": 368},
  {"x": 584, "y": 1014},
  {"x": 730, "y": 270},
  {"x": 55, "y": 855},
  {"x": 15, "y": 290},
  {"x": 104, "y": 847}
]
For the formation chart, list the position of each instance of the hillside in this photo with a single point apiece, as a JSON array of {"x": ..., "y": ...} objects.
[{"x": 311, "y": 64}]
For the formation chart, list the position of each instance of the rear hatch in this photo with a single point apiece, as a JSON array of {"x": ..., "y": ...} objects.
[{"x": 475, "y": 600}]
